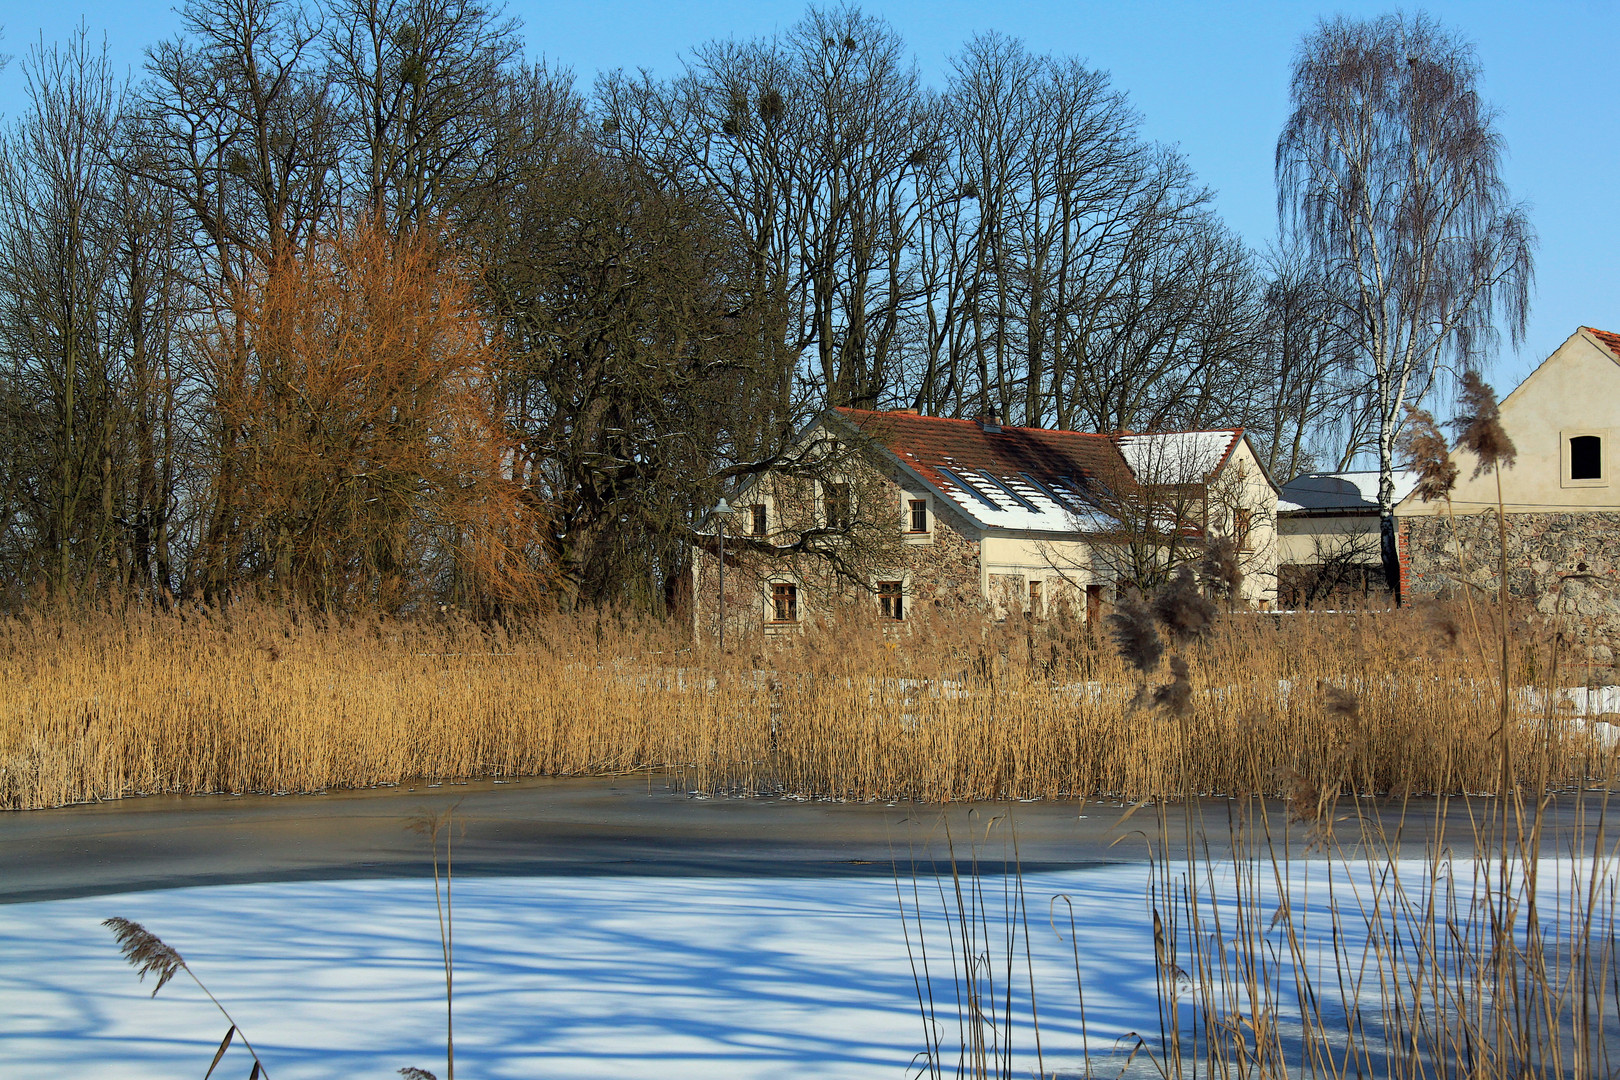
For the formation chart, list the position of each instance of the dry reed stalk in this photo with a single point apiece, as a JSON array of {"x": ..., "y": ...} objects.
[{"x": 104, "y": 705}]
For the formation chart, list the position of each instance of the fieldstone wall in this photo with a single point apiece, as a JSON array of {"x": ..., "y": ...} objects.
[
  {"x": 943, "y": 574},
  {"x": 1566, "y": 564}
]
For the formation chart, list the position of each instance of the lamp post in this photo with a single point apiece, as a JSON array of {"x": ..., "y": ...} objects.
[{"x": 722, "y": 511}]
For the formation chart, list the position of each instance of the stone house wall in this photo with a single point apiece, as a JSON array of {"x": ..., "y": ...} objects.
[
  {"x": 1564, "y": 565},
  {"x": 941, "y": 571},
  {"x": 945, "y": 573}
]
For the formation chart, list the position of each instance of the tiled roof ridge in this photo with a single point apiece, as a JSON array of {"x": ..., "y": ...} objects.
[
  {"x": 1612, "y": 340},
  {"x": 928, "y": 418}
]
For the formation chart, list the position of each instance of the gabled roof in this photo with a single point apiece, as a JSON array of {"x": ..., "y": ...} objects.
[
  {"x": 1036, "y": 479},
  {"x": 1612, "y": 341},
  {"x": 1016, "y": 478}
]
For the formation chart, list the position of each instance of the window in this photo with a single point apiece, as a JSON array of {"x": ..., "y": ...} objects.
[
  {"x": 838, "y": 505},
  {"x": 757, "y": 520},
  {"x": 919, "y": 515},
  {"x": 1035, "y": 611},
  {"x": 1241, "y": 521},
  {"x": 785, "y": 602},
  {"x": 1586, "y": 457},
  {"x": 891, "y": 600}
]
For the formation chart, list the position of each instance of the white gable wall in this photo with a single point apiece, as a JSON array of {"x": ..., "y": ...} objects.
[{"x": 1575, "y": 391}]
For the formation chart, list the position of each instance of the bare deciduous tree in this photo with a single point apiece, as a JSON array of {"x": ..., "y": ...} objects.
[
  {"x": 1390, "y": 168},
  {"x": 88, "y": 390},
  {"x": 1311, "y": 406},
  {"x": 420, "y": 83},
  {"x": 372, "y": 448},
  {"x": 813, "y": 144}
]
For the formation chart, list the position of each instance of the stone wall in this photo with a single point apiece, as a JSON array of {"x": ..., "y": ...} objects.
[
  {"x": 1556, "y": 562},
  {"x": 945, "y": 574},
  {"x": 942, "y": 574}
]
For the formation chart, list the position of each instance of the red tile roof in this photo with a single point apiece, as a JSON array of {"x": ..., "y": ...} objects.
[
  {"x": 1013, "y": 474},
  {"x": 1611, "y": 340},
  {"x": 1066, "y": 459}
]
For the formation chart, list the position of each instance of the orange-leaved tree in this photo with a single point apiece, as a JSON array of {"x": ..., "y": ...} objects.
[{"x": 368, "y": 448}]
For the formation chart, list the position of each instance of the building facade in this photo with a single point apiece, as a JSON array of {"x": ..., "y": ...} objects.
[
  {"x": 1561, "y": 497},
  {"x": 975, "y": 516}
]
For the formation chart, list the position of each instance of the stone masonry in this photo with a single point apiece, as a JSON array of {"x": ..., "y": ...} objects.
[
  {"x": 943, "y": 575},
  {"x": 1564, "y": 565}
]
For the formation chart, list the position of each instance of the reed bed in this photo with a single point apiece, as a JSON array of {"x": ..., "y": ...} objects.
[{"x": 107, "y": 704}]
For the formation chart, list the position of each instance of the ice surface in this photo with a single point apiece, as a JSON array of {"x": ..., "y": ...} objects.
[
  {"x": 555, "y": 977},
  {"x": 598, "y": 976}
]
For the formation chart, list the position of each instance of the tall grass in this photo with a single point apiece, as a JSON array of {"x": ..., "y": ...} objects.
[
  {"x": 101, "y": 705},
  {"x": 1435, "y": 966}
]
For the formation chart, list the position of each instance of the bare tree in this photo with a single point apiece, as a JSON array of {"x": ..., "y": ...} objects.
[
  {"x": 374, "y": 473},
  {"x": 813, "y": 145},
  {"x": 235, "y": 121},
  {"x": 64, "y": 327},
  {"x": 1306, "y": 362},
  {"x": 1075, "y": 277},
  {"x": 419, "y": 83},
  {"x": 1389, "y": 167},
  {"x": 633, "y": 356}
]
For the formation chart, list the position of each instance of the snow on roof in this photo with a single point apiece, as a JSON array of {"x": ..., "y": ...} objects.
[
  {"x": 1015, "y": 502},
  {"x": 1020, "y": 479},
  {"x": 1356, "y": 490},
  {"x": 1177, "y": 457}
]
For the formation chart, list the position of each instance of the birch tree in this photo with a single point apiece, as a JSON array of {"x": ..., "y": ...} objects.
[{"x": 1389, "y": 169}]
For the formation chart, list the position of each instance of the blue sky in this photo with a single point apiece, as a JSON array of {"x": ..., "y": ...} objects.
[{"x": 1211, "y": 78}]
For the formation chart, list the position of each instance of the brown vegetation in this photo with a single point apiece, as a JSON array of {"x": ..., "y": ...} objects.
[
  {"x": 256, "y": 699},
  {"x": 367, "y": 457}
]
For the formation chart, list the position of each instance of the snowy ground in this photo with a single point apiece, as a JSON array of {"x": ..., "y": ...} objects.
[{"x": 561, "y": 977}]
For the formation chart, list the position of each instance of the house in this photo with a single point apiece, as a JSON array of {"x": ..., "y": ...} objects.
[
  {"x": 1328, "y": 537},
  {"x": 1562, "y": 500},
  {"x": 902, "y": 510}
]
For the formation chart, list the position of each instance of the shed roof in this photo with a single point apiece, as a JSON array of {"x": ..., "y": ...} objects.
[{"x": 1354, "y": 492}]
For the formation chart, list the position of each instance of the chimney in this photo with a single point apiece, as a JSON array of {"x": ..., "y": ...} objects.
[{"x": 990, "y": 424}]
